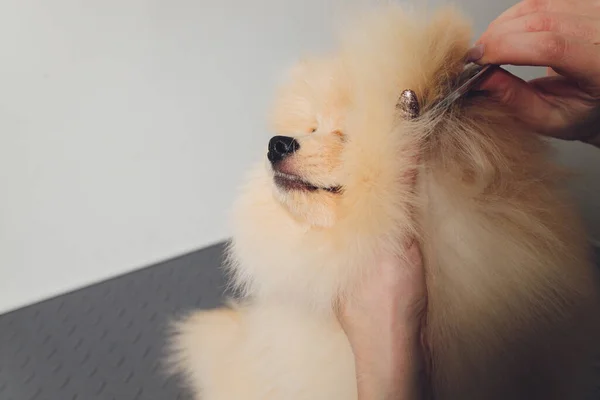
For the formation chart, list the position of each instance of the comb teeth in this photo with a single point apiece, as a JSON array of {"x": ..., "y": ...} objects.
[
  {"x": 408, "y": 103},
  {"x": 468, "y": 78}
]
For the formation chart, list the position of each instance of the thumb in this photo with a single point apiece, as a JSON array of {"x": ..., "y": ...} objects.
[
  {"x": 508, "y": 89},
  {"x": 522, "y": 98}
]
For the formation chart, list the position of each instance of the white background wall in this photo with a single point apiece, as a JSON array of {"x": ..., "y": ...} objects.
[{"x": 126, "y": 126}]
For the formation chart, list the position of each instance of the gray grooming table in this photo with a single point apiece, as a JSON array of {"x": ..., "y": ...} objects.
[{"x": 105, "y": 342}]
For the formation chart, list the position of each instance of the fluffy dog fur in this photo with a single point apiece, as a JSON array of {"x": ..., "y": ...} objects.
[{"x": 513, "y": 301}]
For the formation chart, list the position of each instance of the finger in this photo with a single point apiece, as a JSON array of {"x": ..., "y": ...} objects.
[
  {"x": 535, "y": 6},
  {"x": 579, "y": 110},
  {"x": 580, "y": 27},
  {"x": 523, "y": 99},
  {"x": 518, "y": 10},
  {"x": 561, "y": 88},
  {"x": 570, "y": 57}
]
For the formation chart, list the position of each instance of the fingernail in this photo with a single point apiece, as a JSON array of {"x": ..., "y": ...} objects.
[{"x": 475, "y": 53}]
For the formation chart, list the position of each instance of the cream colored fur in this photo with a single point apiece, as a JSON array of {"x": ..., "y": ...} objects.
[{"x": 513, "y": 301}]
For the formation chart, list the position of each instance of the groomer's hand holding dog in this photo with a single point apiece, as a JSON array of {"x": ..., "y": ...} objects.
[
  {"x": 563, "y": 35},
  {"x": 383, "y": 325}
]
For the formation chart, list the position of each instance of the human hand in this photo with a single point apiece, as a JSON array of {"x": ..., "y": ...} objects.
[
  {"x": 563, "y": 35},
  {"x": 383, "y": 325}
]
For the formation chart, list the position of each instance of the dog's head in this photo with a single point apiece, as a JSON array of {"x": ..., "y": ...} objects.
[
  {"x": 337, "y": 178},
  {"x": 305, "y": 160},
  {"x": 345, "y": 138}
]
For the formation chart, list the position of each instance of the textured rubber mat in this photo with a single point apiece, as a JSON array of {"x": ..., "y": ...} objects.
[{"x": 104, "y": 342}]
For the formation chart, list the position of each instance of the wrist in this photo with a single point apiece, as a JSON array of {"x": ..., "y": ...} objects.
[{"x": 390, "y": 370}]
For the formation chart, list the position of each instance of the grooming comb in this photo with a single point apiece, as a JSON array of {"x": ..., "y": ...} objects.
[{"x": 471, "y": 75}]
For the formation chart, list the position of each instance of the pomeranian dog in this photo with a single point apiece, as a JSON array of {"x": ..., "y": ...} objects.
[{"x": 512, "y": 292}]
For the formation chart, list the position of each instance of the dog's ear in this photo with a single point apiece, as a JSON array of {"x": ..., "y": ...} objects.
[{"x": 408, "y": 104}]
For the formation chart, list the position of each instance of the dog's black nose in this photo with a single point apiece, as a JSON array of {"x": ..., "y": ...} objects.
[{"x": 280, "y": 147}]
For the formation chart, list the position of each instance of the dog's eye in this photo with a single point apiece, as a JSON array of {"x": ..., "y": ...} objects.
[
  {"x": 339, "y": 133},
  {"x": 313, "y": 130}
]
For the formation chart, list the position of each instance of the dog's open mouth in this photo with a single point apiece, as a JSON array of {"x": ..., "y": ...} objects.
[{"x": 293, "y": 182}]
